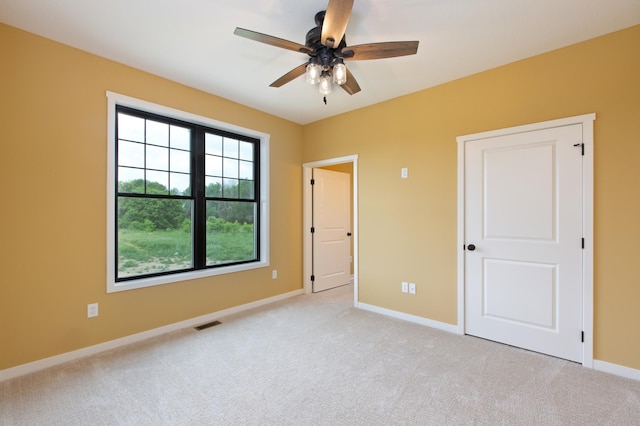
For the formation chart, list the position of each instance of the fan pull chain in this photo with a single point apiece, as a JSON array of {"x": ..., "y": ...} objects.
[{"x": 325, "y": 100}]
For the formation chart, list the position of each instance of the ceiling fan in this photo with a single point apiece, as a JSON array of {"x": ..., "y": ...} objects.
[{"x": 327, "y": 50}]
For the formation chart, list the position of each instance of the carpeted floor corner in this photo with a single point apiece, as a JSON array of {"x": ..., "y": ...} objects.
[{"x": 316, "y": 360}]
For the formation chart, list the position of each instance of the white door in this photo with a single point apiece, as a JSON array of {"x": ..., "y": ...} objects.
[
  {"x": 331, "y": 229},
  {"x": 523, "y": 237}
]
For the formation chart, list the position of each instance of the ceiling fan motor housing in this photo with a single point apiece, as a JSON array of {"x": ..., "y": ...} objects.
[
  {"x": 313, "y": 37},
  {"x": 326, "y": 56}
]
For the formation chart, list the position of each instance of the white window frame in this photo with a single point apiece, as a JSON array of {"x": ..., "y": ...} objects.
[{"x": 114, "y": 99}]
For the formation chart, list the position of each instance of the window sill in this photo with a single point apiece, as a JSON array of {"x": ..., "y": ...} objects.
[{"x": 113, "y": 286}]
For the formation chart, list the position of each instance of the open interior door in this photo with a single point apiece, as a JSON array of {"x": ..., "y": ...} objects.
[{"x": 331, "y": 229}]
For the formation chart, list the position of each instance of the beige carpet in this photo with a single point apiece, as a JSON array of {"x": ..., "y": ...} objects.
[{"x": 315, "y": 360}]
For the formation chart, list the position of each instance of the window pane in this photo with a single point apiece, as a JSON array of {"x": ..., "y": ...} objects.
[
  {"x": 157, "y": 158},
  {"x": 246, "y": 170},
  {"x": 180, "y": 184},
  {"x": 157, "y": 182},
  {"x": 213, "y": 165},
  {"x": 157, "y": 133},
  {"x": 154, "y": 235},
  {"x": 246, "y": 151},
  {"x": 130, "y": 154},
  {"x": 180, "y": 161},
  {"x": 180, "y": 138},
  {"x": 230, "y": 168},
  {"x": 213, "y": 187},
  {"x": 130, "y": 180},
  {"x": 245, "y": 189},
  {"x": 130, "y": 128},
  {"x": 230, "y": 148},
  {"x": 213, "y": 144},
  {"x": 230, "y": 188},
  {"x": 230, "y": 232}
]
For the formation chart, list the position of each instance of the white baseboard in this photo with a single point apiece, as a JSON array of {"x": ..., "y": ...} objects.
[
  {"x": 408, "y": 317},
  {"x": 618, "y": 370},
  {"x": 31, "y": 367}
]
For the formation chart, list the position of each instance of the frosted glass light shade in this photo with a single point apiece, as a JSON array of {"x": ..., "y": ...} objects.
[
  {"x": 325, "y": 84},
  {"x": 339, "y": 74},
  {"x": 313, "y": 73}
]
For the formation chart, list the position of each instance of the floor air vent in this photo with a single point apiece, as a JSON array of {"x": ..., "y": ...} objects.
[{"x": 207, "y": 325}]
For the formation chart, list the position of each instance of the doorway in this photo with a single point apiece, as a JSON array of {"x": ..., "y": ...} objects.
[
  {"x": 308, "y": 252},
  {"x": 525, "y": 233}
]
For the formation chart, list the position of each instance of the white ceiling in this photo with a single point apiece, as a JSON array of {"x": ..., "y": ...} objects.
[{"x": 192, "y": 41}]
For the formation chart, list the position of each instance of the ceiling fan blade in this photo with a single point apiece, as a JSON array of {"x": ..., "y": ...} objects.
[
  {"x": 390, "y": 49},
  {"x": 335, "y": 23},
  {"x": 273, "y": 41},
  {"x": 291, "y": 75},
  {"x": 351, "y": 86}
]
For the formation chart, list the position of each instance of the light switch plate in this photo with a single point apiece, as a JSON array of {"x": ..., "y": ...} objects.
[{"x": 92, "y": 310}]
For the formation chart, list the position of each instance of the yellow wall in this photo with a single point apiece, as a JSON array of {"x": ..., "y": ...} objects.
[
  {"x": 407, "y": 227},
  {"x": 53, "y": 170},
  {"x": 53, "y": 138}
]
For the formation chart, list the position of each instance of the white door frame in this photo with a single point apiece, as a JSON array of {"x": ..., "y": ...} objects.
[
  {"x": 587, "y": 218},
  {"x": 307, "y": 169}
]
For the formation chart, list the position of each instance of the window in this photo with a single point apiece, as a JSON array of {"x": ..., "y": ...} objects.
[{"x": 187, "y": 196}]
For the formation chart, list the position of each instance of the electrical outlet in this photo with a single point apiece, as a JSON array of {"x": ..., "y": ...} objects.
[
  {"x": 412, "y": 288},
  {"x": 404, "y": 173},
  {"x": 405, "y": 286},
  {"x": 274, "y": 274},
  {"x": 92, "y": 310}
]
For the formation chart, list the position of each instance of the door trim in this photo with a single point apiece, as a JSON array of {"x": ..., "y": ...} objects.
[
  {"x": 307, "y": 169},
  {"x": 587, "y": 217}
]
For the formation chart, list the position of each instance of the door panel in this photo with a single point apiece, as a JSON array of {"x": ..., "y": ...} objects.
[
  {"x": 523, "y": 212},
  {"x": 529, "y": 301},
  {"x": 520, "y": 192},
  {"x": 331, "y": 221}
]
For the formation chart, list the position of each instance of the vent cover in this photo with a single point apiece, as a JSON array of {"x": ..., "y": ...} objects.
[{"x": 207, "y": 325}]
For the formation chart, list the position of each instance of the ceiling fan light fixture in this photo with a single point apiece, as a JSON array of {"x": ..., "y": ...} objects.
[
  {"x": 326, "y": 85},
  {"x": 339, "y": 73},
  {"x": 326, "y": 47},
  {"x": 314, "y": 70}
]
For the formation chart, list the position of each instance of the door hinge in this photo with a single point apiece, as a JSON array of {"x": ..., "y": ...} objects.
[
  {"x": 581, "y": 145},
  {"x": 582, "y": 337},
  {"x": 313, "y": 181},
  {"x": 583, "y": 243},
  {"x": 313, "y": 229},
  {"x": 313, "y": 278}
]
